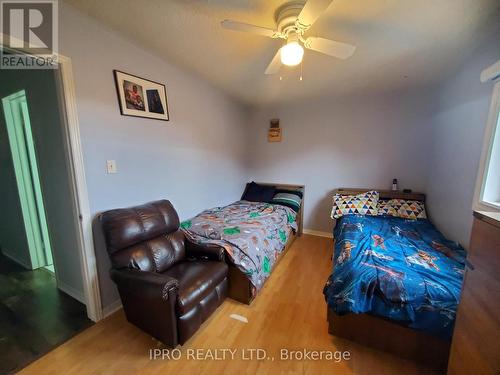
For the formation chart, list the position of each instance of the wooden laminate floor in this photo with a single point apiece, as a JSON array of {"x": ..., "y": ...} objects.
[{"x": 290, "y": 313}]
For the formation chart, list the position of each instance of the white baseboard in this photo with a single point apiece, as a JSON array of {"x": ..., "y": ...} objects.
[
  {"x": 76, "y": 294},
  {"x": 111, "y": 308},
  {"x": 318, "y": 233},
  {"x": 16, "y": 259}
]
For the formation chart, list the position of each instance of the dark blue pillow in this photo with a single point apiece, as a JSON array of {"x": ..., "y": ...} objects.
[{"x": 258, "y": 193}]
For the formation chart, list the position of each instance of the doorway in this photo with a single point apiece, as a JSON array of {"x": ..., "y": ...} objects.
[
  {"x": 23, "y": 153},
  {"x": 42, "y": 299}
]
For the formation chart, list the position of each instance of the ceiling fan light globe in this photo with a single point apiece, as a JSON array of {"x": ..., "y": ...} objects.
[{"x": 292, "y": 54}]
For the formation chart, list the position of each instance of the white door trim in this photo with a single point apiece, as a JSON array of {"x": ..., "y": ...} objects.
[
  {"x": 79, "y": 182},
  {"x": 83, "y": 221}
]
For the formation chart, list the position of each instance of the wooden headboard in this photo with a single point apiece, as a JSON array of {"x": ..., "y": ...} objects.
[
  {"x": 384, "y": 194},
  {"x": 300, "y": 214}
]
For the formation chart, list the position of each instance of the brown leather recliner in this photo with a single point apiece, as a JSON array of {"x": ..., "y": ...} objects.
[{"x": 168, "y": 286}]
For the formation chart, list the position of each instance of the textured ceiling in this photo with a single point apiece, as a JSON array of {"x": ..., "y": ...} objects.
[{"x": 400, "y": 43}]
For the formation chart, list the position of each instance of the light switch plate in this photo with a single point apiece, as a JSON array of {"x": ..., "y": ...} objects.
[{"x": 111, "y": 166}]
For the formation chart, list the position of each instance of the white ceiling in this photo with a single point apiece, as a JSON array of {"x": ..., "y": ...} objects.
[{"x": 400, "y": 43}]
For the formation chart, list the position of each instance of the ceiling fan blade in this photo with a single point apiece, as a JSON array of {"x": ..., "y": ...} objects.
[
  {"x": 275, "y": 64},
  {"x": 330, "y": 47},
  {"x": 311, "y": 12},
  {"x": 245, "y": 27}
]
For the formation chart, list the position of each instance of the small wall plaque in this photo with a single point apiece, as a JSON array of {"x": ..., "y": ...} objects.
[{"x": 274, "y": 134}]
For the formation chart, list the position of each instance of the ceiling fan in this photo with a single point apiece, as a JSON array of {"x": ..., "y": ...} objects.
[{"x": 293, "y": 19}]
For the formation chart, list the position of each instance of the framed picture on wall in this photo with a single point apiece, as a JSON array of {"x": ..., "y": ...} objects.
[
  {"x": 274, "y": 133},
  {"x": 141, "y": 97}
]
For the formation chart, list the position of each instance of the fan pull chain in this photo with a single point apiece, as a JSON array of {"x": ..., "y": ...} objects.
[
  {"x": 301, "y": 69},
  {"x": 282, "y": 45}
]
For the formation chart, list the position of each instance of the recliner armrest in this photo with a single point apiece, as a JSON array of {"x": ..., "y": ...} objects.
[
  {"x": 146, "y": 284},
  {"x": 212, "y": 252}
]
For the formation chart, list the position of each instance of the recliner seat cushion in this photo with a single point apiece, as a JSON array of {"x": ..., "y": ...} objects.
[{"x": 197, "y": 279}]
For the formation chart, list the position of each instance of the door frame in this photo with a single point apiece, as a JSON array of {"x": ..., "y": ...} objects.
[
  {"x": 83, "y": 217},
  {"x": 27, "y": 178}
]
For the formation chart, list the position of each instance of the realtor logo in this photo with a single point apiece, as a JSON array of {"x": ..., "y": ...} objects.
[{"x": 29, "y": 34}]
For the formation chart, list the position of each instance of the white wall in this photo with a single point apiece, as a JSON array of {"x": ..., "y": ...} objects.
[
  {"x": 197, "y": 160},
  {"x": 357, "y": 141},
  {"x": 458, "y": 122}
]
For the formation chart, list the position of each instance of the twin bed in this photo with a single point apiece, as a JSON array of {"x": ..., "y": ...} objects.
[
  {"x": 254, "y": 234},
  {"x": 395, "y": 284}
]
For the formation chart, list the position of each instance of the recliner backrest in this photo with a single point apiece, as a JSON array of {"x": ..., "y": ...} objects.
[{"x": 145, "y": 237}]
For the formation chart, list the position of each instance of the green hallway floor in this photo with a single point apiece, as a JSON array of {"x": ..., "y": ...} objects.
[{"x": 35, "y": 316}]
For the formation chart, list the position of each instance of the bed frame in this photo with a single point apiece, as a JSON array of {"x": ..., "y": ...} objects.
[
  {"x": 240, "y": 287},
  {"x": 384, "y": 334}
]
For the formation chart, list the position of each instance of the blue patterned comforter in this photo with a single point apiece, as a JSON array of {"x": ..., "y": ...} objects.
[{"x": 400, "y": 269}]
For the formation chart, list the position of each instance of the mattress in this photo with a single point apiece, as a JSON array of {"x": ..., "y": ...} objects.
[
  {"x": 252, "y": 233},
  {"x": 399, "y": 269}
]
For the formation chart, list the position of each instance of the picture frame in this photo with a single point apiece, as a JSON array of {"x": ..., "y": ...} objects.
[
  {"x": 274, "y": 132},
  {"x": 141, "y": 97}
]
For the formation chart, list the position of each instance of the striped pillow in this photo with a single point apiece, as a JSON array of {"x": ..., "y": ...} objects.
[{"x": 288, "y": 199}]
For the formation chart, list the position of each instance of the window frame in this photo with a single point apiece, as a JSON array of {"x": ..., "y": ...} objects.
[{"x": 492, "y": 127}]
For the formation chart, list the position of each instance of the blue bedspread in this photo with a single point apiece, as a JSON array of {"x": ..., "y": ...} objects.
[{"x": 404, "y": 270}]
